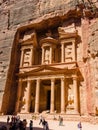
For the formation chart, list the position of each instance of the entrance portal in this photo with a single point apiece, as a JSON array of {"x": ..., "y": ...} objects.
[{"x": 48, "y": 100}]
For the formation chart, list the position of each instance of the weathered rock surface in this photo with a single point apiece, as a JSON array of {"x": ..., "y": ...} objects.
[{"x": 17, "y": 13}]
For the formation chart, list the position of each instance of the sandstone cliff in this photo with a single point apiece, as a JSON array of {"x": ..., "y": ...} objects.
[{"x": 17, "y": 14}]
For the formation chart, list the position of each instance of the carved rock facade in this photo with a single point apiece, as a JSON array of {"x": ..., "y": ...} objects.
[{"x": 48, "y": 57}]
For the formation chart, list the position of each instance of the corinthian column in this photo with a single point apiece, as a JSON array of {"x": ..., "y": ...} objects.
[
  {"x": 52, "y": 95},
  {"x": 37, "y": 96},
  {"x": 75, "y": 94},
  {"x": 62, "y": 95},
  {"x": 18, "y": 95}
]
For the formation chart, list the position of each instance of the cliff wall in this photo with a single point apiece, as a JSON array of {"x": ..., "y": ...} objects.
[{"x": 15, "y": 14}]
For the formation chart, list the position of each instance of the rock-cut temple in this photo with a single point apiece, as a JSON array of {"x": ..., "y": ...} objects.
[{"x": 52, "y": 60}]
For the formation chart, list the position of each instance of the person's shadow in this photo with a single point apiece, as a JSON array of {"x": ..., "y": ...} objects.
[
  {"x": 36, "y": 128},
  {"x": 27, "y": 128}
]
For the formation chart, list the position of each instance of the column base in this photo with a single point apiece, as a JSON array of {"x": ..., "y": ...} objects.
[
  {"x": 72, "y": 112},
  {"x": 24, "y": 112},
  {"x": 63, "y": 112},
  {"x": 36, "y": 112}
]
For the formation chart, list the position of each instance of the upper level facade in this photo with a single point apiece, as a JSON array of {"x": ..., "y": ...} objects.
[{"x": 53, "y": 47}]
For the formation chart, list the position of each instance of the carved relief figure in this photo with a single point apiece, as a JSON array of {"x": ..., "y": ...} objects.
[
  {"x": 68, "y": 53},
  {"x": 47, "y": 56},
  {"x": 27, "y": 58}
]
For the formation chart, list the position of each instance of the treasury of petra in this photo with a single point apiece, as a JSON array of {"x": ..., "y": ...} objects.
[{"x": 49, "y": 58}]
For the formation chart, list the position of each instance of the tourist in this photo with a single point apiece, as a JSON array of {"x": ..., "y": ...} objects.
[
  {"x": 24, "y": 124},
  {"x": 41, "y": 119},
  {"x": 46, "y": 125},
  {"x": 8, "y": 119},
  {"x": 31, "y": 125},
  {"x": 60, "y": 121},
  {"x": 3, "y": 127},
  {"x": 43, "y": 122},
  {"x": 21, "y": 125},
  {"x": 79, "y": 126}
]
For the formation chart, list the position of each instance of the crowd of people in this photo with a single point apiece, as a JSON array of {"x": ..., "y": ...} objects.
[{"x": 15, "y": 123}]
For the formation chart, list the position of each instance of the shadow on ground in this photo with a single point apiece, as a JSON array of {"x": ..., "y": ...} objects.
[{"x": 27, "y": 128}]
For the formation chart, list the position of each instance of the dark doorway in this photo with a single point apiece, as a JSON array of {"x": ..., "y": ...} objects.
[{"x": 48, "y": 99}]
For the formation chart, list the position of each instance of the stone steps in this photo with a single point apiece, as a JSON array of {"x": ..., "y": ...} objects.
[{"x": 66, "y": 117}]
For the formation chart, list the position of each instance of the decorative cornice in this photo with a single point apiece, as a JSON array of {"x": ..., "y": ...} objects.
[{"x": 48, "y": 40}]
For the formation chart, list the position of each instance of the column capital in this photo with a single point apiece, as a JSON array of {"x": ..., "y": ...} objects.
[
  {"x": 63, "y": 78},
  {"x": 20, "y": 80},
  {"x": 38, "y": 80},
  {"x": 74, "y": 77},
  {"x": 29, "y": 81},
  {"x": 22, "y": 49},
  {"x": 52, "y": 79},
  {"x": 31, "y": 47}
]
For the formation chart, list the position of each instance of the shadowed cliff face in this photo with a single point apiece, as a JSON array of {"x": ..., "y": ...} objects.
[{"x": 15, "y": 14}]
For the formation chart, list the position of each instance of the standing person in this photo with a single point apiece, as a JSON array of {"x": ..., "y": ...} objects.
[
  {"x": 43, "y": 122},
  {"x": 31, "y": 125},
  {"x": 46, "y": 125},
  {"x": 24, "y": 124},
  {"x": 79, "y": 126},
  {"x": 41, "y": 119},
  {"x": 60, "y": 120},
  {"x": 8, "y": 119}
]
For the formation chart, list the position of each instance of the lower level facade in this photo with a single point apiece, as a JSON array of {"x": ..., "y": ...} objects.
[{"x": 52, "y": 90}]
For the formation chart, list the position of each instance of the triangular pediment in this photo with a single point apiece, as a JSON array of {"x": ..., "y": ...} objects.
[{"x": 44, "y": 69}]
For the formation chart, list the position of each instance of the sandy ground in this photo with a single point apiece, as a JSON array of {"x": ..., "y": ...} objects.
[{"x": 54, "y": 125}]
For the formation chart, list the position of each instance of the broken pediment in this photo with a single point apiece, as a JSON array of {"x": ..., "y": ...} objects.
[
  {"x": 29, "y": 37},
  {"x": 67, "y": 32}
]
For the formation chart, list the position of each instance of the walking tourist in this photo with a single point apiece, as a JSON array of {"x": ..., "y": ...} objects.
[
  {"x": 46, "y": 125},
  {"x": 60, "y": 121},
  {"x": 79, "y": 126},
  {"x": 31, "y": 125},
  {"x": 24, "y": 124},
  {"x": 8, "y": 119}
]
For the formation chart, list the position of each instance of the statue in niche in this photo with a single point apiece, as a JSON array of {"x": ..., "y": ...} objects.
[
  {"x": 47, "y": 56},
  {"x": 70, "y": 100},
  {"x": 68, "y": 53},
  {"x": 26, "y": 58}
]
